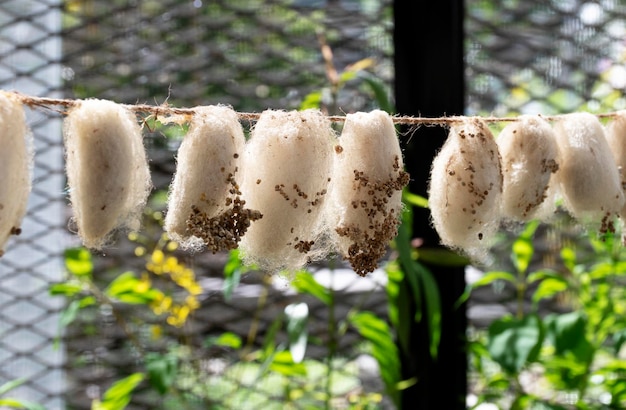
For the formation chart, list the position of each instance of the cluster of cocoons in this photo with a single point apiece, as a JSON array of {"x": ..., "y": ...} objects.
[
  {"x": 293, "y": 193},
  {"x": 479, "y": 182},
  {"x": 15, "y": 167}
]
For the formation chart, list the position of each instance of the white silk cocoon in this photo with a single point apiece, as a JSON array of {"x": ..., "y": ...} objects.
[
  {"x": 465, "y": 188},
  {"x": 205, "y": 183},
  {"x": 107, "y": 169},
  {"x": 529, "y": 159},
  {"x": 616, "y": 137},
  {"x": 16, "y": 155},
  {"x": 366, "y": 199},
  {"x": 287, "y": 164},
  {"x": 588, "y": 176}
]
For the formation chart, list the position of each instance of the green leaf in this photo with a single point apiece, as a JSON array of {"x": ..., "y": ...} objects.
[
  {"x": 409, "y": 266},
  {"x": 441, "y": 257},
  {"x": 20, "y": 404},
  {"x": 522, "y": 253},
  {"x": 226, "y": 339},
  {"x": 384, "y": 350},
  {"x": 433, "y": 308},
  {"x": 283, "y": 363},
  {"x": 312, "y": 100},
  {"x": 567, "y": 332},
  {"x": 128, "y": 288},
  {"x": 297, "y": 315},
  {"x": 380, "y": 93},
  {"x": 78, "y": 262},
  {"x": 66, "y": 289},
  {"x": 162, "y": 371},
  {"x": 304, "y": 282},
  {"x": 568, "y": 256},
  {"x": 548, "y": 288},
  {"x": 491, "y": 276},
  {"x": 10, "y": 385},
  {"x": 119, "y": 394},
  {"x": 233, "y": 269},
  {"x": 513, "y": 343},
  {"x": 619, "y": 338},
  {"x": 487, "y": 279},
  {"x": 414, "y": 199},
  {"x": 69, "y": 313}
]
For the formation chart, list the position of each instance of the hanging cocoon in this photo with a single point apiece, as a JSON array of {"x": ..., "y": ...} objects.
[
  {"x": 287, "y": 164},
  {"x": 204, "y": 204},
  {"x": 107, "y": 170},
  {"x": 588, "y": 176},
  {"x": 368, "y": 179},
  {"x": 465, "y": 188},
  {"x": 529, "y": 159},
  {"x": 616, "y": 136},
  {"x": 15, "y": 166}
]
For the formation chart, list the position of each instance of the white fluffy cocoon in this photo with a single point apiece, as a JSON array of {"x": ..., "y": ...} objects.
[
  {"x": 529, "y": 159},
  {"x": 107, "y": 170},
  {"x": 465, "y": 188},
  {"x": 616, "y": 136},
  {"x": 287, "y": 164},
  {"x": 588, "y": 176},
  {"x": 204, "y": 207},
  {"x": 366, "y": 198},
  {"x": 15, "y": 166}
]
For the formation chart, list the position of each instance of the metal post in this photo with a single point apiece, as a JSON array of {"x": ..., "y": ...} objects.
[{"x": 429, "y": 81}]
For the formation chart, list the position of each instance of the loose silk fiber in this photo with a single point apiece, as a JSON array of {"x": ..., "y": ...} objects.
[
  {"x": 107, "y": 170},
  {"x": 204, "y": 204},
  {"x": 588, "y": 175},
  {"x": 529, "y": 159},
  {"x": 368, "y": 179},
  {"x": 15, "y": 166},
  {"x": 287, "y": 164},
  {"x": 466, "y": 188}
]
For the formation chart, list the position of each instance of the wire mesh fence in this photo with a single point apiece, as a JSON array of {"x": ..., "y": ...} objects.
[{"x": 521, "y": 57}]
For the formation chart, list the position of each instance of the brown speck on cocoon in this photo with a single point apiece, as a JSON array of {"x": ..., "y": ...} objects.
[
  {"x": 465, "y": 189},
  {"x": 588, "y": 176},
  {"x": 366, "y": 196},
  {"x": 529, "y": 159},
  {"x": 291, "y": 153},
  {"x": 204, "y": 202}
]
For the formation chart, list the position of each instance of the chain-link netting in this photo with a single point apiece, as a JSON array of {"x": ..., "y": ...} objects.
[
  {"x": 252, "y": 55},
  {"x": 521, "y": 57},
  {"x": 30, "y": 52}
]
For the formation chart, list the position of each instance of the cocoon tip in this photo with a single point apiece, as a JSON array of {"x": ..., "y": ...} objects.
[
  {"x": 368, "y": 179},
  {"x": 529, "y": 159},
  {"x": 106, "y": 168},
  {"x": 204, "y": 204},
  {"x": 588, "y": 175},
  {"x": 15, "y": 167},
  {"x": 287, "y": 164},
  {"x": 465, "y": 188}
]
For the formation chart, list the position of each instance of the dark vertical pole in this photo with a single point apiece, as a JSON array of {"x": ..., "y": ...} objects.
[{"x": 429, "y": 81}]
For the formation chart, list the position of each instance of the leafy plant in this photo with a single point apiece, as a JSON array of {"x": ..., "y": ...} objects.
[
  {"x": 574, "y": 355},
  {"x": 13, "y": 403}
]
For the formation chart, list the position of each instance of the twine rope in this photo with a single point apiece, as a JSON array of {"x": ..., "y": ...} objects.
[{"x": 165, "y": 110}]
